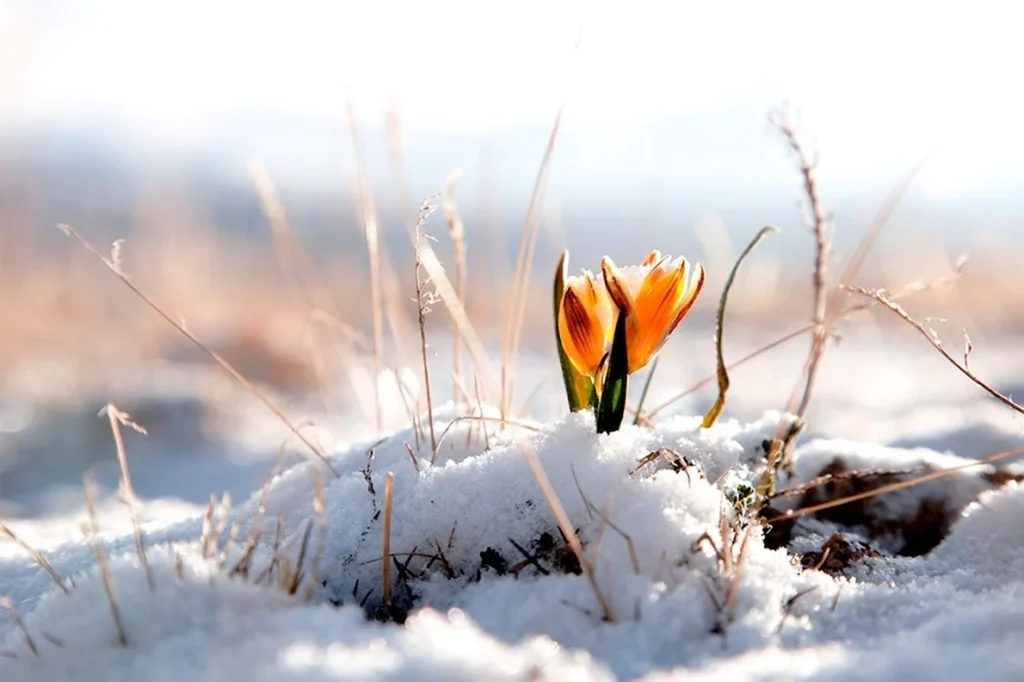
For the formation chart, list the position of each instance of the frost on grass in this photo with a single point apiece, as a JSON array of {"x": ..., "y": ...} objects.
[{"x": 484, "y": 587}]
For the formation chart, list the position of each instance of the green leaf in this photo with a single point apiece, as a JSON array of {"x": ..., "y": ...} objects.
[
  {"x": 723, "y": 372},
  {"x": 612, "y": 407},
  {"x": 579, "y": 388}
]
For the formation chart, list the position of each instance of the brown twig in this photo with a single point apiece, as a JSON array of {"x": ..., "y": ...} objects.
[
  {"x": 827, "y": 309},
  {"x": 821, "y": 227},
  {"x": 213, "y": 355},
  {"x": 389, "y": 492},
  {"x": 879, "y": 296}
]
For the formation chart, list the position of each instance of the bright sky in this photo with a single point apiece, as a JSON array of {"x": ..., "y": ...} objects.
[{"x": 876, "y": 82}]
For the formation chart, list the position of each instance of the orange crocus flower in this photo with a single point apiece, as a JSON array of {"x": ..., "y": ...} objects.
[{"x": 655, "y": 296}]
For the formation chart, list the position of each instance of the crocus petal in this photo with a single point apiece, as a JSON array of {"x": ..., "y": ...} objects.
[
  {"x": 617, "y": 288},
  {"x": 652, "y": 258},
  {"x": 693, "y": 288},
  {"x": 656, "y": 310},
  {"x": 583, "y": 337}
]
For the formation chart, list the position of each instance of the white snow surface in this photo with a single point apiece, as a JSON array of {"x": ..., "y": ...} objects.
[{"x": 678, "y": 613}]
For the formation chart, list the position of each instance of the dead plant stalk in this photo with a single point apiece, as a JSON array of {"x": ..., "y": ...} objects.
[
  {"x": 369, "y": 218},
  {"x": 820, "y": 227},
  {"x": 516, "y": 306},
  {"x": 36, "y": 555},
  {"x": 567, "y": 528},
  {"x": 389, "y": 493},
  {"x": 91, "y": 531},
  {"x": 423, "y": 305},
  {"x": 8, "y": 604},
  {"x": 457, "y": 232},
  {"x": 879, "y": 296},
  {"x": 117, "y": 419}
]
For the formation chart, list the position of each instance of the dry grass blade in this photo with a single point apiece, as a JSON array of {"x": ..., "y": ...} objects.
[
  {"x": 36, "y": 555},
  {"x": 457, "y": 232},
  {"x": 516, "y": 305},
  {"x": 723, "y": 373},
  {"x": 320, "y": 511},
  {"x": 290, "y": 255},
  {"x": 207, "y": 536},
  {"x": 484, "y": 420},
  {"x": 893, "y": 487},
  {"x": 734, "y": 583},
  {"x": 369, "y": 217},
  {"x": 446, "y": 293},
  {"x": 567, "y": 529},
  {"x": 389, "y": 494},
  {"x": 8, "y": 605},
  {"x": 881, "y": 298},
  {"x": 605, "y": 518},
  {"x": 423, "y": 304},
  {"x": 213, "y": 355},
  {"x": 91, "y": 531},
  {"x": 643, "y": 394},
  {"x": 117, "y": 419}
]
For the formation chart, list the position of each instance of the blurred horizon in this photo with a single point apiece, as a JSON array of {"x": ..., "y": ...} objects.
[{"x": 143, "y": 121}]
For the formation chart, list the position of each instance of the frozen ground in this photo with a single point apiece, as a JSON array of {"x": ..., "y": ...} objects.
[{"x": 921, "y": 584}]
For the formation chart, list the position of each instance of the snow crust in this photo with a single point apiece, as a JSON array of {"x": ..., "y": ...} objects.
[{"x": 491, "y": 593}]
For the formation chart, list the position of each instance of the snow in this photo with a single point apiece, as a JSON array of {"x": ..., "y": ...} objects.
[{"x": 474, "y": 607}]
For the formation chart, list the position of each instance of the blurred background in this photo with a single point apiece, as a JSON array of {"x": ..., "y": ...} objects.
[{"x": 148, "y": 121}]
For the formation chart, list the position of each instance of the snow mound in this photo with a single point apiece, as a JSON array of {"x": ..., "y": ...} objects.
[{"x": 484, "y": 587}]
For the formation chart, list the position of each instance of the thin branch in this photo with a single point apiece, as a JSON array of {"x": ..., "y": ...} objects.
[
  {"x": 213, "y": 355},
  {"x": 909, "y": 290},
  {"x": 880, "y": 297},
  {"x": 892, "y": 487}
]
